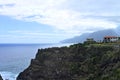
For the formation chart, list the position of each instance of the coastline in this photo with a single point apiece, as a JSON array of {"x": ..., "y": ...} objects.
[{"x": 12, "y": 75}]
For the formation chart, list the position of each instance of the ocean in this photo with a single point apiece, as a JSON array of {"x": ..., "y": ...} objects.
[{"x": 14, "y": 58}]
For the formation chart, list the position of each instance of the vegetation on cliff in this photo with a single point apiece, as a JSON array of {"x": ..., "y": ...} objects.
[{"x": 77, "y": 62}]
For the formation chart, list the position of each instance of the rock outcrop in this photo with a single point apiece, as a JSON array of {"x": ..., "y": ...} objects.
[
  {"x": 1, "y": 77},
  {"x": 49, "y": 64},
  {"x": 77, "y": 62}
]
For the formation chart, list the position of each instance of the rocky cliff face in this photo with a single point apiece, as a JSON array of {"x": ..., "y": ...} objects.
[
  {"x": 1, "y": 78},
  {"x": 77, "y": 62},
  {"x": 49, "y": 64}
]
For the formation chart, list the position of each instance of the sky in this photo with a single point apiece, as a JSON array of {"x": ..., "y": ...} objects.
[{"x": 50, "y": 21}]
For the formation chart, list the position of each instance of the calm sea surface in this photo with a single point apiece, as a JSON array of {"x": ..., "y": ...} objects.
[{"x": 14, "y": 58}]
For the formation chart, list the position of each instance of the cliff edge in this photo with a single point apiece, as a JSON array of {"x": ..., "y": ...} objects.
[
  {"x": 1, "y": 77},
  {"x": 77, "y": 62}
]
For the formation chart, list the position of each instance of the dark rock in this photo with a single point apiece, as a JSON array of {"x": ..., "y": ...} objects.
[
  {"x": 49, "y": 64},
  {"x": 77, "y": 62},
  {"x": 1, "y": 77}
]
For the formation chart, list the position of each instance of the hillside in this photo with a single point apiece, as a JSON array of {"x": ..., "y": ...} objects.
[
  {"x": 77, "y": 39},
  {"x": 77, "y": 62},
  {"x": 98, "y": 35}
]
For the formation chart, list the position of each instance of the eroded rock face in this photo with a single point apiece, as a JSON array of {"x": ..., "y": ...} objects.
[
  {"x": 77, "y": 62},
  {"x": 1, "y": 77},
  {"x": 49, "y": 64}
]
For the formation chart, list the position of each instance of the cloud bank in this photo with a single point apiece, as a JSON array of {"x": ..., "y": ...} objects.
[{"x": 76, "y": 16}]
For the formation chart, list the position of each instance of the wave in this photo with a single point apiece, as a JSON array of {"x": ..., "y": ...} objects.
[{"x": 8, "y": 75}]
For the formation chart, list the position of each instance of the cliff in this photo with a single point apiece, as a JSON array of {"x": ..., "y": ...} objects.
[
  {"x": 77, "y": 62},
  {"x": 1, "y": 78}
]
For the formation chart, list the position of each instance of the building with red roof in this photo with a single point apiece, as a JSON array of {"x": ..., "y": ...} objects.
[{"x": 111, "y": 38}]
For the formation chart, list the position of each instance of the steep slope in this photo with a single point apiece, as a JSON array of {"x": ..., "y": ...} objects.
[
  {"x": 77, "y": 62},
  {"x": 77, "y": 39},
  {"x": 117, "y": 30},
  {"x": 98, "y": 35},
  {"x": 1, "y": 78}
]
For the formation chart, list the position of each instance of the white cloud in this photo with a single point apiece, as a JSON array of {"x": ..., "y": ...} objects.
[
  {"x": 60, "y": 14},
  {"x": 35, "y": 33},
  {"x": 19, "y": 36}
]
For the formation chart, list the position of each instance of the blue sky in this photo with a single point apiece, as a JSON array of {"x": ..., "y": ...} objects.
[{"x": 50, "y": 21}]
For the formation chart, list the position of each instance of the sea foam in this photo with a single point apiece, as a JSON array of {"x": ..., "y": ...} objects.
[{"x": 8, "y": 75}]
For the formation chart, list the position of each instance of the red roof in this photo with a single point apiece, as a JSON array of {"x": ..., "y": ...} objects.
[{"x": 110, "y": 37}]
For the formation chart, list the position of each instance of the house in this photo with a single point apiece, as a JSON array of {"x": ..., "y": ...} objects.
[
  {"x": 110, "y": 39},
  {"x": 89, "y": 39}
]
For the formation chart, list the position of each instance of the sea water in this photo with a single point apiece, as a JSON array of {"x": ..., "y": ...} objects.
[{"x": 14, "y": 58}]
